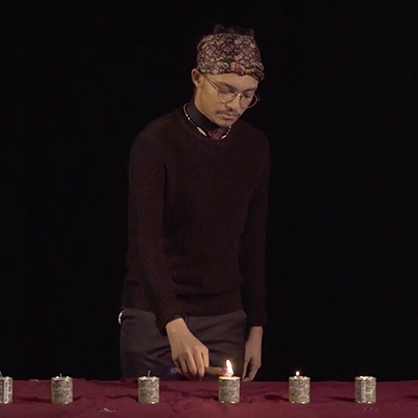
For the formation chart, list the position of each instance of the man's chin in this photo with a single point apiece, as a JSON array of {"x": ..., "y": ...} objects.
[
  {"x": 224, "y": 125},
  {"x": 226, "y": 121}
]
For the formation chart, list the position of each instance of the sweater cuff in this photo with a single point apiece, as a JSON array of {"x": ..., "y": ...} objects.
[
  {"x": 257, "y": 321},
  {"x": 161, "y": 323}
]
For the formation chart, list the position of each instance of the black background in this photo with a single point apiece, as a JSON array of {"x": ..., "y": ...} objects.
[{"x": 80, "y": 83}]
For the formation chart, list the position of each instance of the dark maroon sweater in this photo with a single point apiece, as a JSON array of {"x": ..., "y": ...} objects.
[{"x": 197, "y": 213}]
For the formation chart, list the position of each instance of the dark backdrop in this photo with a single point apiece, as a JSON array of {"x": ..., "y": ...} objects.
[{"x": 80, "y": 83}]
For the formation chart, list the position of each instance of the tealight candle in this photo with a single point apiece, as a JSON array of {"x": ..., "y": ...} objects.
[
  {"x": 299, "y": 389},
  {"x": 61, "y": 390},
  {"x": 149, "y": 389},
  {"x": 229, "y": 386},
  {"x": 6, "y": 389},
  {"x": 365, "y": 389}
]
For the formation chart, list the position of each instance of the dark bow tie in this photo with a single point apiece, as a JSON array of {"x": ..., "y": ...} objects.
[{"x": 216, "y": 133}]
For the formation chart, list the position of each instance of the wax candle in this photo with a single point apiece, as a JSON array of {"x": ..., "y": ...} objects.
[
  {"x": 229, "y": 386},
  {"x": 365, "y": 389},
  {"x": 299, "y": 388},
  {"x": 149, "y": 389},
  {"x": 6, "y": 389},
  {"x": 61, "y": 390}
]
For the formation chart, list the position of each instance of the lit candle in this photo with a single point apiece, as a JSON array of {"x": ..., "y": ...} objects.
[
  {"x": 61, "y": 389},
  {"x": 299, "y": 388},
  {"x": 6, "y": 389},
  {"x": 365, "y": 389},
  {"x": 229, "y": 386},
  {"x": 149, "y": 389}
]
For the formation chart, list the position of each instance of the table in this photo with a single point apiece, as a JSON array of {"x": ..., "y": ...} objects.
[{"x": 198, "y": 400}]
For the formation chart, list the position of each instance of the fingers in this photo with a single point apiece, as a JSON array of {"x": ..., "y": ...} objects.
[
  {"x": 193, "y": 365},
  {"x": 188, "y": 353},
  {"x": 250, "y": 370},
  {"x": 247, "y": 372},
  {"x": 250, "y": 377},
  {"x": 199, "y": 360},
  {"x": 203, "y": 363},
  {"x": 244, "y": 370},
  {"x": 182, "y": 365},
  {"x": 206, "y": 357}
]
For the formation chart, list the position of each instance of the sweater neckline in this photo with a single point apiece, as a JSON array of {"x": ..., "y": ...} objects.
[
  {"x": 196, "y": 134},
  {"x": 198, "y": 117},
  {"x": 219, "y": 131}
]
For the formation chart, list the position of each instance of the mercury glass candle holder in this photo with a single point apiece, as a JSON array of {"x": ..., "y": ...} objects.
[
  {"x": 61, "y": 390},
  {"x": 229, "y": 389},
  {"x": 6, "y": 389},
  {"x": 149, "y": 389},
  {"x": 299, "y": 389},
  {"x": 365, "y": 389}
]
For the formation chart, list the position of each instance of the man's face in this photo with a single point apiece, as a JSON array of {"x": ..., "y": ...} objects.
[{"x": 206, "y": 96}]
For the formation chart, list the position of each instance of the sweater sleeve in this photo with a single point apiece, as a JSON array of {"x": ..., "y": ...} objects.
[
  {"x": 252, "y": 257},
  {"x": 147, "y": 177}
]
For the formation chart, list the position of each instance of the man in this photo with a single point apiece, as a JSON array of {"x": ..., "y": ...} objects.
[{"x": 194, "y": 293}]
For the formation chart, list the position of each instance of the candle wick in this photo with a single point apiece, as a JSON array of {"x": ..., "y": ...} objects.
[{"x": 149, "y": 373}]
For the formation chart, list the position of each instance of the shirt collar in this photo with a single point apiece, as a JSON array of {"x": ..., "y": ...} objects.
[{"x": 199, "y": 118}]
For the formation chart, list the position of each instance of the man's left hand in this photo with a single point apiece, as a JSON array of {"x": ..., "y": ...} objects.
[{"x": 252, "y": 359}]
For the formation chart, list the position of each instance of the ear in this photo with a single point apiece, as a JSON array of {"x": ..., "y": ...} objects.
[{"x": 197, "y": 78}]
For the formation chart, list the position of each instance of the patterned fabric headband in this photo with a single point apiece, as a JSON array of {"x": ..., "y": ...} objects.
[{"x": 222, "y": 53}]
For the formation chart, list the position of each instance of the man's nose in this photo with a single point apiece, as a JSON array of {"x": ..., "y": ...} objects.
[{"x": 235, "y": 103}]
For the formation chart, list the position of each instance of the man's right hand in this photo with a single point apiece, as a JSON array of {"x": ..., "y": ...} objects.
[{"x": 188, "y": 353}]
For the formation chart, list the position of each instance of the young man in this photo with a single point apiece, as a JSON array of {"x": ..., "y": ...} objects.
[{"x": 194, "y": 293}]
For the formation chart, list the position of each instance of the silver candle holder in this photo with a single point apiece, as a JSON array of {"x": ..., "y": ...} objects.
[
  {"x": 365, "y": 389},
  {"x": 149, "y": 389},
  {"x": 61, "y": 390},
  {"x": 299, "y": 389},
  {"x": 229, "y": 389},
  {"x": 6, "y": 389},
  {"x": 229, "y": 385}
]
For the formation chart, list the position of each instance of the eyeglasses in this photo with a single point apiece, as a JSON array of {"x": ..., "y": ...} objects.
[{"x": 246, "y": 100}]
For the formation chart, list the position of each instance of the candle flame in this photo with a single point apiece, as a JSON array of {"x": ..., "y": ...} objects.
[
  {"x": 297, "y": 373},
  {"x": 229, "y": 369}
]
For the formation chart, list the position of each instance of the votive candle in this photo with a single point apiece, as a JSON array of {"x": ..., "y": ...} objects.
[
  {"x": 299, "y": 389},
  {"x": 6, "y": 389},
  {"x": 61, "y": 390},
  {"x": 229, "y": 386},
  {"x": 365, "y": 389},
  {"x": 148, "y": 389}
]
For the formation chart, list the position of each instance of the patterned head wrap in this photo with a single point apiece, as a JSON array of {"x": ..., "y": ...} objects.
[{"x": 222, "y": 53}]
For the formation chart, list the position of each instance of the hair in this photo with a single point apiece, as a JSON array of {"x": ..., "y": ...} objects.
[{"x": 219, "y": 28}]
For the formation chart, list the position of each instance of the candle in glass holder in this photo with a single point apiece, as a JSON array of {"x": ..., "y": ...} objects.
[
  {"x": 365, "y": 389},
  {"x": 61, "y": 390},
  {"x": 299, "y": 388},
  {"x": 6, "y": 389},
  {"x": 229, "y": 386},
  {"x": 149, "y": 389}
]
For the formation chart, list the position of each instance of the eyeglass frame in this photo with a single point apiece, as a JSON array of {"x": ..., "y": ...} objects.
[{"x": 218, "y": 89}]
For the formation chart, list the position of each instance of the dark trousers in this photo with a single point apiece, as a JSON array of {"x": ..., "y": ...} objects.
[{"x": 143, "y": 348}]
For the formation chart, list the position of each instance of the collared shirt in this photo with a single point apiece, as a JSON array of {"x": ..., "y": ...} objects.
[{"x": 199, "y": 118}]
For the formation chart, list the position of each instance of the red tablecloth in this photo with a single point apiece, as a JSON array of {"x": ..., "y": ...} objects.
[{"x": 198, "y": 400}]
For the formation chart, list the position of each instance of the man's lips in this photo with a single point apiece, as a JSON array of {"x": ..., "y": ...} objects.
[{"x": 229, "y": 115}]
